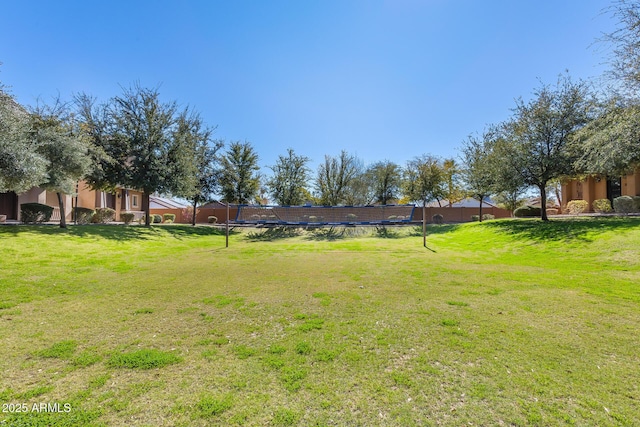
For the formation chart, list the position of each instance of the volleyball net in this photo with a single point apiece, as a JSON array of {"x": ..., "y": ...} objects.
[{"x": 325, "y": 215}]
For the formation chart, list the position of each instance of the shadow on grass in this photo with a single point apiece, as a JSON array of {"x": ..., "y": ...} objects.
[
  {"x": 336, "y": 233},
  {"x": 563, "y": 229},
  {"x": 116, "y": 231},
  {"x": 433, "y": 229},
  {"x": 275, "y": 233}
]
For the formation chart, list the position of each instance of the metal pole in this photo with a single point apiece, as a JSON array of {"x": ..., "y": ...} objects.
[
  {"x": 424, "y": 224},
  {"x": 227, "y": 228}
]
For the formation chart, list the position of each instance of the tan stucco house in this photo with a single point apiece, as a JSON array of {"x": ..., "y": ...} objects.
[
  {"x": 121, "y": 200},
  {"x": 596, "y": 187}
]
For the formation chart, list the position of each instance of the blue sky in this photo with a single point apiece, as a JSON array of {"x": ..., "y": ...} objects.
[{"x": 382, "y": 79}]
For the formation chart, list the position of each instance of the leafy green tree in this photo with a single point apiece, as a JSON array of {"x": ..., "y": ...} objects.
[
  {"x": 106, "y": 153},
  {"x": 239, "y": 179},
  {"x": 334, "y": 177},
  {"x": 360, "y": 190},
  {"x": 21, "y": 166},
  {"x": 133, "y": 139},
  {"x": 625, "y": 41},
  {"x": 542, "y": 129},
  {"x": 424, "y": 181},
  {"x": 478, "y": 171},
  {"x": 453, "y": 188},
  {"x": 290, "y": 179},
  {"x": 55, "y": 138},
  {"x": 509, "y": 185},
  {"x": 386, "y": 181},
  {"x": 194, "y": 160},
  {"x": 610, "y": 144}
]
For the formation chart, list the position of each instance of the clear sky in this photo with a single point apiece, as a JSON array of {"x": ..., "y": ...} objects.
[{"x": 382, "y": 79}]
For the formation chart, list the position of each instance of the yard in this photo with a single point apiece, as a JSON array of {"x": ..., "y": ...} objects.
[{"x": 499, "y": 323}]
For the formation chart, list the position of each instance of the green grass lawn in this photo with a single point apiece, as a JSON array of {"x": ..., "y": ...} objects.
[{"x": 499, "y": 323}]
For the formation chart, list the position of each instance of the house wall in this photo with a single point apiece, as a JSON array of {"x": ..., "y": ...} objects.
[
  {"x": 631, "y": 184},
  {"x": 594, "y": 188},
  {"x": 202, "y": 217}
]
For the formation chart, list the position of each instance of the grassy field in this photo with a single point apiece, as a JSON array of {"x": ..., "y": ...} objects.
[{"x": 500, "y": 323}]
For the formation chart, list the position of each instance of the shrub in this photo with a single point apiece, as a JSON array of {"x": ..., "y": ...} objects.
[
  {"x": 32, "y": 213},
  {"x": 127, "y": 217},
  {"x": 351, "y": 217},
  {"x": 186, "y": 214},
  {"x": 169, "y": 217},
  {"x": 486, "y": 217},
  {"x": 552, "y": 211},
  {"x": 84, "y": 215},
  {"x": 475, "y": 217},
  {"x": 602, "y": 205},
  {"x": 212, "y": 219},
  {"x": 576, "y": 207},
  {"x": 624, "y": 204},
  {"x": 104, "y": 215},
  {"x": 636, "y": 202},
  {"x": 157, "y": 219},
  {"x": 438, "y": 219},
  {"x": 527, "y": 211}
]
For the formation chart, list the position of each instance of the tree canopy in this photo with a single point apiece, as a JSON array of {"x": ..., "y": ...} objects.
[
  {"x": 288, "y": 185},
  {"x": 21, "y": 166},
  {"x": 541, "y": 131},
  {"x": 239, "y": 179}
]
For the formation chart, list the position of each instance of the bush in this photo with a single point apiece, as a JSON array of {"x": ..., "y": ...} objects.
[
  {"x": 475, "y": 217},
  {"x": 624, "y": 204},
  {"x": 157, "y": 218},
  {"x": 527, "y": 211},
  {"x": 576, "y": 207},
  {"x": 186, "y": 214},
  {"x": 636, "y": 202},
  {"x": 486, "y": 217},
  {"x": 127, "y": 217},
  {"x": 602, "y": 205},
  {"x": 104, "y": 215},
  {"x": 351, "y": 217},
  {"x": 35, "y": 213},
  {"x": 552, "y": 211},
  {"x": 212, "y": 219},
  {"x": 437, "y": 219},
  {"x": 84, "y": 215},
  {"x": 169, "y": 217}
]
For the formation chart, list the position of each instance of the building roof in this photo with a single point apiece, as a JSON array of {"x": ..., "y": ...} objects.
[
  {"x": 215, "y": 204},
  {"x": 156, "y": 202}
]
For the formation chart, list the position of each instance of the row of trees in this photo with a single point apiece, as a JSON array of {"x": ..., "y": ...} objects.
[{"x": 138, "y": 141}]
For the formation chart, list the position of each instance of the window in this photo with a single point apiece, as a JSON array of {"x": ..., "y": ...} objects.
[{"x": 134, "y": 200}]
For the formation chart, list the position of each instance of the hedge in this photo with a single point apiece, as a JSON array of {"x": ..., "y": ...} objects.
[
  {"x": 527, "y": 211},
  {"x": 104, "y": 215},
  {"x": 84, "y": 215},
  {"x": 35, "y": 213},
  {"x": 576, "y": 207}
]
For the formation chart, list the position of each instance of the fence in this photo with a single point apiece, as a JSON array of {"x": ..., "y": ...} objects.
[{"x": 458, "y": 214}]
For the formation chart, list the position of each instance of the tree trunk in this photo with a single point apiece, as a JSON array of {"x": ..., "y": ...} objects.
[
  {"x": 63, "y": 219},
  {"x": 480, "y": 212},
  {"x": 558, "y": 196},
  {"x": 193, "y": 217},
  {"x": 543, "y": 203},
  {"x": 147, "y": 209}
]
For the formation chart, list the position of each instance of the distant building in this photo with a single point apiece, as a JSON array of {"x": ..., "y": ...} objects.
[{"x": 595, "y": 187}]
